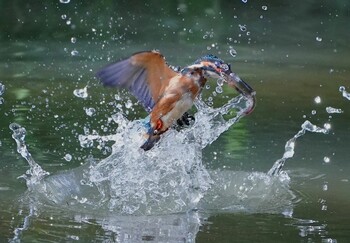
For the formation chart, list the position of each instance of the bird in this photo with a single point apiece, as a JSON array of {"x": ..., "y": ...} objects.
[{"x": 165, "y": 92}]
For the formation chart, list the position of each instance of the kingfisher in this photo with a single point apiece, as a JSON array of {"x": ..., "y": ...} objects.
[{"x": 165, "y": 92}]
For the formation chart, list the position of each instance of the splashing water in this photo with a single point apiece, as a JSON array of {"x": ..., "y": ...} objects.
[
  {"x": 344, "y": 92},
  {"x": 331, "y": 110},
  {"x": 289, "y": 147},
  {"x": 170, "y": 178},
  {"x": 2, "y": 89},
  {"x": 35, "y": 174},
  {"x": 81, "y": 93}
]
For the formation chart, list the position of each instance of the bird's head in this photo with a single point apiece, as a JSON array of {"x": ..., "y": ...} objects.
[{"x": 214, "y": 67}]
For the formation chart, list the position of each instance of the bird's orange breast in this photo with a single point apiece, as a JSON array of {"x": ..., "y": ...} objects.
[{"x": 176, "y": 99}]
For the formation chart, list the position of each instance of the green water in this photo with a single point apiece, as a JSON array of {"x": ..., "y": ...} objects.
[{"x": 290, "y": 53}]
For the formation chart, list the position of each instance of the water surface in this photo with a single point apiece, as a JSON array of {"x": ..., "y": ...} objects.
[{"x": 295, "y": 56}]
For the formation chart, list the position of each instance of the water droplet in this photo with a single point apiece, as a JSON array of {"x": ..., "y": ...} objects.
[
  {"x": 218, "y": 89},
  {"x": 90, "y": 111},
  {"x": 244, "y": 1},
  {"x": 317, "y": 99},
  {"x": 325, "y": 187},
  {"x": 74, "y": 53},
  {"x": 68, "y": 157},
  {"x": 264, "y": 7},
  {"x": 2, "y": 89},
  {"x": 73, "y": 40},
  {"x": 85, "y": 141},
  {"x": 327, "y": 126},
  {"x": 331, "y": 110},
  {"x": 207, "y": 86},
  {"x": 220, "y": 81},
  {"x": 63, "y": 16},
  {"x": 319, "y": 39},
  {"x": 233, "y": 52},
  {"x": 242, "y": 27},
  {"x": 326, "y": 159},
  {"x": 313, "y": 112},
  {"x": 81, "y": 93},
  {"x": 2, "y": 100},
  {"x": 344, "y": 93},
  {"x": 64, "y": 1}
]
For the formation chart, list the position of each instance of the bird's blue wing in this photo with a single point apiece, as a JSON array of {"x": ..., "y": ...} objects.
[{"x": 125, "y": 75}]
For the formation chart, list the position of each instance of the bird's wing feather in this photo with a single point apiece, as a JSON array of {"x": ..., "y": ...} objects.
[{"x": 144, "y": 74}]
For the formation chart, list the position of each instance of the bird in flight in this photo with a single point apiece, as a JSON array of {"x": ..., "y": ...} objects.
[{"x": 165, "y": 93}]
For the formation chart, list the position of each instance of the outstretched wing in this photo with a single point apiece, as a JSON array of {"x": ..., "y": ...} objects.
[{"x": 144, "y": 74}]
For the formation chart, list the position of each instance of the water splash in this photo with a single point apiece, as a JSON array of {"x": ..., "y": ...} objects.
[
  {"x": 168, "y": 179},
  {"x": 35, "y": 174},
  {"x": 289, "y": 147},
  {"x": 344, "y": 92},
  {"x": 81, "y": 93},
  {"x": 317, "y": 99},
  {"x": 331, "y": 110},
  {"x": 90, "y": 111},
  {"x": 2, "y": 91}
]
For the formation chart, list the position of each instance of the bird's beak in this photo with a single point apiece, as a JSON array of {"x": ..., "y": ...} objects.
[{"x": 242, "y": 87}]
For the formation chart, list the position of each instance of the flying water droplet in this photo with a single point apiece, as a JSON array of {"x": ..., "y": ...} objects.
[
  {"x": 319, "y": 39},
  {"x": 85, "y": 141},
  {"x": 242, "y": 27},
  {"x": 64, "y": 1},
  {"x": 317, "y": 99},
  {"x": 244, "y": 1},
  {"x": 220, "y": 81},
  {"x": 332, "y": 110},
  {"x": 344, "y": 93},
  {"x": 264, "y": 7},
  {"x": 73, "y": 40},
  {"x": 74, "y": 53},
  {"x": 327, "y": 126},
  {"x": 218, "y": 89},
  {"x": 81, "y": 93},
  {"x": 326, "y": 159},
  {"x": 68, "y": 157},
  {"x": 2, "y": 89},
  {"x": 325, "y": 186},
  {"x": 233, "y": 52},
  {"x": 90, "y": 111},
  {"x": 128, "y": 104}
]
